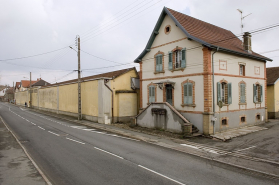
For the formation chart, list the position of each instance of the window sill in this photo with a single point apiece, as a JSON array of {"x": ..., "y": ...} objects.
[
  {"x": 178, "y": 69},
  {"x": 157, "y": 72},
  {"x": 242, "y": 103},
  {"x": 257, "y": 102},
  {"x": 188, "y": 105},
  {"x": 225, "y": 105}
]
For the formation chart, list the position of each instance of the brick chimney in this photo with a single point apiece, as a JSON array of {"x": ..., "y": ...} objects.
[{"x": 247, "y": 42}]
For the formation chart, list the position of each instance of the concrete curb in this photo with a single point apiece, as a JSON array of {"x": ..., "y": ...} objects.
[
  {"x": 25, "y": 151},
  {"x": 151, "y": 141}
]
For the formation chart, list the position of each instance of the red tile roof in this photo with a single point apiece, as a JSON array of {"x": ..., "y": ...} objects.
[
  {"x": 26, "y": 83},
  {"x": 113, "y": 74},
  {"x": 272, "y": 74},
  {"x": 211, "y": 34}
]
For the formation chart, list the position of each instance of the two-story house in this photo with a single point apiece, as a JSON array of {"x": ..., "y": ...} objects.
[{"x": 205, "y": 72}]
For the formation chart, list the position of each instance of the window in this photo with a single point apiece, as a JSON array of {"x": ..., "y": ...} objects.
[
  {"x": 242, "y": 93},
  {"x": 224, "y": 92},
  {"x": 178, "y": 57},
  {"x": 151, "y": 90},
  {"x": 258, "y": 93},
  {"x": 224, "y": 121},
  {"x": 243, "y": 119},
  {"x": 167, "y": 29},
  {"x": 159, "y": 63},
  {"x": 242, "y": 70},
  {"x": 188, "y": 93}
]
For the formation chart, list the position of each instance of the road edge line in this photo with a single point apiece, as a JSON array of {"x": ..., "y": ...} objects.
[{"x": 25, "y": 151}]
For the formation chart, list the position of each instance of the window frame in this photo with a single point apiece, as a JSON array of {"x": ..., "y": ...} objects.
[
  {"x": 159, "y": 56},
  {"x": 224, "y": 89},
  {"x": 257, "y": 93},
  {"x": 177, "y": 59}
]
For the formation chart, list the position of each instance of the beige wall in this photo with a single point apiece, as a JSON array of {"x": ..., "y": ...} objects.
[
  {"x": 127, "y": 105},
  {"x": 47, "y": 98},
  {"x": 89, "y": 98},
  {"x": 123, "y": 82},
  {"x": 22, "y": 97},
  {"x": 68, "y": 98},
  {"x": 232, "y": 65},
  {"x": 271, "y": 99}
]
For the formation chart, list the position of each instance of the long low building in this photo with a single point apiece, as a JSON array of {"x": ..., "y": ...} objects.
[{"x": 105, "y": 98}]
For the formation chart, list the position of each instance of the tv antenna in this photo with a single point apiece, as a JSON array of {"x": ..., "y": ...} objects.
[{"x": 240, "y": 11}]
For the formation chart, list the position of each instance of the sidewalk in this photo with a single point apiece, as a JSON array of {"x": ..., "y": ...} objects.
[
  {"x": 237, "y": 158},
  {"x": 15, "y": 166}
]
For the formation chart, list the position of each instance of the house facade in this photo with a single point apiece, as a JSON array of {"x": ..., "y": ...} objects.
[
  {"x": 273, "y": 92},
  {"x": 204, "y": 72}
]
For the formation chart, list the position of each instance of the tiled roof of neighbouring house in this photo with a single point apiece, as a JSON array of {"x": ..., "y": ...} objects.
[
  {"x": 26, "y": 83},
  {"x": 40, "y": 83},
  {"x": 113, "y": 74},
  {"x": 272, "y": 74}
]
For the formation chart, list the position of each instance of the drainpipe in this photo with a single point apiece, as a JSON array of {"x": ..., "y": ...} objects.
[
  {"x": 105, "y": 81},
  {"x": 213, "y": 91}
]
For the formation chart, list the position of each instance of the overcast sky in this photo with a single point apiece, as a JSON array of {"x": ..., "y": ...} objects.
[{"x": 116, "y": 31}]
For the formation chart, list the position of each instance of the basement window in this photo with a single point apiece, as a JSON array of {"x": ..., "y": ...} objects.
[
  {"x": 243, "y": 119},
  {"x": 258, "y": 116},
  {"x": 224, "y": 121}
]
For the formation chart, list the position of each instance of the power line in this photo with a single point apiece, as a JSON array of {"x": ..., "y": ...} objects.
[{"x": 32, "y": 55}]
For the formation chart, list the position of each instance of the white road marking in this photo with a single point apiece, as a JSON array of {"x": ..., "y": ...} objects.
[
  {"x": 78, "y": 127},
  {"x": 109, "y": 153},
  {"x": 88, "y": 129},
  {"x": 123, "y": 137},
  {"x": 189, "y": 146},
  {"x": 75, "y": 141},
  {"x": 201, "y": 148},
  {"x": 41, "y": 128},
  {"x": 161, "y": 175},
  {"x": 245, "y": 148},
  {"x": 33, "y": 123},
  {"x": 98, "y": 132},
  {"x": 53, "y": 133}
]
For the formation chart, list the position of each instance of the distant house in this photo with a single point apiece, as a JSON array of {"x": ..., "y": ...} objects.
[
  {"x": 272, "y": 92},
  {"x": 176, "y": 67},
  {"x": 2, "y": 92},
  {"x": 9, "y": 94},
  {"x": 24, "y": 84},
  {"x": 105, "y": 98}
]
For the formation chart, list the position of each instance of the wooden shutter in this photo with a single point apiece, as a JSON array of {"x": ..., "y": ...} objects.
[
  {"x": 157, "y": 63},
  {"x": 229, "y": 93},
  {"x": 183, "y": 61},
  {"x": 151, "y": 94},
  {"x": 185, "y": 93},
  {"x": 218, "y": 92},
  {"x": 261, "y": 87},
  {"x": 254, "y": 93},
  {"x": 170, "y": 60},
  {"x": 161, "y": 63},
  {"x": 190, "y": 93},
  {"x": 242, "y": 93}
]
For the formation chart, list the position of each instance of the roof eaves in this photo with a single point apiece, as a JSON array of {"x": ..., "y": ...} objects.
[
  {"x": 152, "y": 37},
  {"x": 241, "y": 54}
]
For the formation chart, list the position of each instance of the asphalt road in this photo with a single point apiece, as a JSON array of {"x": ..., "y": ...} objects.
[{"x": 70, "y": 154}]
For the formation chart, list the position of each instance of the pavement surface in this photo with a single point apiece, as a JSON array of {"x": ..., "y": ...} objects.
[
  {"x": 69, "y": 153},
  {"x": 15, "y": 166}
]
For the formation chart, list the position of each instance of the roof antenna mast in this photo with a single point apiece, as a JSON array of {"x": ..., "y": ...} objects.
[{"x": 240, "y": 11}]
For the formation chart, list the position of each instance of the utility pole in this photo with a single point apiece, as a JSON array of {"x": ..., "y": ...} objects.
[
  {"x": 79, "y": 85},
  {"x": 30, "y": 92}
]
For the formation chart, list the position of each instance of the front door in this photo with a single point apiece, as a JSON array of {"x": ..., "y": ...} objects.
[{"x": 169, "y": 93}]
